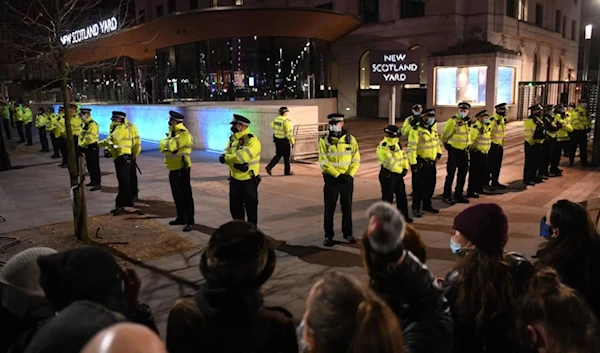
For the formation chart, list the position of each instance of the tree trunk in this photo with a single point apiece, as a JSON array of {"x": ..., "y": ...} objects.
[
  {"x": 77, "y": 180},
  {"x": 4, "y": 158}
]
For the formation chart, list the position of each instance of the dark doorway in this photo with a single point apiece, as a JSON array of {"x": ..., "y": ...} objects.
[
  {"x": 368, "y": 103},
  {"x": 411, "y": 96}
]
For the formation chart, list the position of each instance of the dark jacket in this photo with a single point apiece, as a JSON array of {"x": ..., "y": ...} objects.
[
  {"x": 229, "y": 321},
  {"x": 411, "y": 292},
  {"x": 466, "y": 337}
]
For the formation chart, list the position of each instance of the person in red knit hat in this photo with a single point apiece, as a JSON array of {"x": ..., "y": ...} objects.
[{"x": 484, "y": 287}]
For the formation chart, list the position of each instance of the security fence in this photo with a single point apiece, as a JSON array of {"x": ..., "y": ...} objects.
[
  {"x": 554, "y": 92},
  {"x": 306, "y": 147}
]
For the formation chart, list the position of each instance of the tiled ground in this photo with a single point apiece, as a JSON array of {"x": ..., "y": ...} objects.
[{"x": 36, "y": 193}]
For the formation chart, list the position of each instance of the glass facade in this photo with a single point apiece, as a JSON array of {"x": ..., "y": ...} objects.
[{"x": 246, "y": 69}]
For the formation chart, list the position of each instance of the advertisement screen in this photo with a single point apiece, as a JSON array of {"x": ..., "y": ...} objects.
[
  {"x": 506, "y": 85},
  {"x": 460, "y": 84}
]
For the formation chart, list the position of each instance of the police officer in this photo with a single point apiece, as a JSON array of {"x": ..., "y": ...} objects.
[
  {"x": 60, "y": 132},
  {"x": 456, "y": 139},
  {"x": 41, "y": 120},
  {"x": 19, "y": 117},
  {"x": 26, "y": 117},
  {"x": 50, "y": 128},
  {"x": 534, "y": 139},
  {"x": 76, "y": 129},
  {"x": 284, "y": 140},
  {"x": 562, "y": 136},
  {"x": 581, "y": 123},
  {"x": 481, "y": 137},
  {"x": 551, "y": 128},
  {"x": 394, "y": 166},
  {"x": 118, "y": 146},
  {"x": 496, "y": 154},
  {"x": 412, "y": 120},
  {"x": 177, "y": 148},
  {"x": 242, "y": 155},
  {"x": 5, "y": 118},
  {"x": 136, "y": 149},
  {"x": 88, "y": 142},
  {"x": 339, "y": 158},
  {"x": 424, "y": 151}
]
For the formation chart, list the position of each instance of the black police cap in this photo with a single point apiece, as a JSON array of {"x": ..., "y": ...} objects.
[
  {"x": 118, "y": 114},
  {"x": 85, "y": 110},
  {"x": 335, "y": 117},
  {"x": 548, "y": 106},
  {"x": 559, "y": 106},
  {"x": 392, "y": 130},
  {"x": 536, "y": 107},
  {"x": 464, "y": 105},
  {"x": 583, "y": 100},
  {"x": 482, "y": 113},
  {"x": 176, "y": 116},
  {"x": 428, "y": 112},
  {"x": 238, "y": 119},
  {"x": 284, "y": 110},
  {"x": 73, "y": 106},
  {"x": 500, "y": 106},
  {"x": 417, "y": 106}
]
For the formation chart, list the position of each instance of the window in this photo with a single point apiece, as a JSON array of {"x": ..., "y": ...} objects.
[
  {"x": 511, "y": 8},
  {"x": 536, "y": 67},
  {"x": 239, "y": 2},
  {"x": 506, "y": 85},
  {"x": 159, "y": 11},
  {"x": 522, "y": 15},
  {"x": 328, "y": 6},
  {"x": 560, "y": 69},
  {"x": 412, "y": 8},
  {"x": 558, "y": 21},
  {"x": 457, "y": 84},
  {"x": 573, "y": 30},
  {"x": 539, "y": 15},
  {"x": 365, "y": 66},
  {"x": 549, "y": 70},
  {"x": 141, "y": 16},
  {"x": 193, "y": 4},
  {"x": 172, "y": 6},
  {"x": 564, "y": 27},
  {"x": 369, "y": 11}
]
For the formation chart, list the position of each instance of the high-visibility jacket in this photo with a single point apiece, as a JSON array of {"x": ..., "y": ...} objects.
[
  {"x": 136, "y": 147},
  {"x": 563, "y": 134},
  {"x": 90, "y": 133},
  {"x": 76, "y": 124},
  {"x": 391, "y": 157},
  {"x": 580, "y": 120},
  {"x": 409, "y": 122},
  {"x": 481, "y": 135},
  {"x": 423, "y": 142},
  {"x": 456, "y": 133},
  {"x": 243, "y": 147},
  {"x": 177, "y": 147},
  {"x": 24, "y": 115},
  {"x": 119, "y": 141},
  {"x": 550, "y": 125},
  {"x": 534, "y": 130},
  {"x": 41, "y": 120},
  {"x": 283, "y": 129},
  {"x": 5, "y": 112},
  {"x": 60, "y": 129},
  {"x": 498, "y": 129},
  {"x": 339, "y": 155}
]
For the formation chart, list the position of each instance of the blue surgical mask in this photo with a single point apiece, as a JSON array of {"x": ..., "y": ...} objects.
[
  {"x": 462, "y": 115},
  {"x": 584, "y": 105},
  {"x": 455, "y": 247},
  {"x": 545, "y": 229},
  {"x": 302, "y": 346},
  {"x": 335, "y": 128},
  {"x": 417, "y": 114},
  {"x": 430, "y": 121},
  {"x": 486, "y": 121}
]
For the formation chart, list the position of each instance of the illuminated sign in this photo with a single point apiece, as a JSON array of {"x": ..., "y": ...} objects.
[
  {"x": 393, "y": 68},
  {"x": 90, "y": 32}
]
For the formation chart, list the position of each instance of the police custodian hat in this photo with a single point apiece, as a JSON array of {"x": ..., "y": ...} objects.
[
  {"x": 284, "y": 110},
  {"x": 428, "y": 112},
  {"x": 500, "y": 106},
  {"x": 536, "y": 107},
  {"x": 176, "y": 116},
  {"x": 238, "y": 119},
  {"x": 417, "y": 106},
  {"x": 117, "y": 114},
  {"x": 335, "y": 117},
  {"x": 85, "y": 110},
  {"x": 392, "y": 130},
  {"x": 482, "y": 113},
  {"x": 464, "y": 105}
]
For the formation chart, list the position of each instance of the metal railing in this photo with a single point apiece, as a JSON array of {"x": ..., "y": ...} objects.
[
  {"x": 555, "y": 92},
  {"x": 306, "y": 138}
]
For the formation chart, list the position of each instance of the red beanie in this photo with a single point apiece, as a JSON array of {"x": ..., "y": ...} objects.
[{"x": 485, "y": 225}]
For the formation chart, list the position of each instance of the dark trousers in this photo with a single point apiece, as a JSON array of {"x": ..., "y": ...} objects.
[
  {"x": 458, "y": 163},
  {"x": 424, "y": 181},
  {"x": 578, "y": 140},
  {"x": 548, "y": 149},
  {"x": 478, "y": 169},
  {"x": 28, "y": 135},
  {"x": 92, "y": 160},
  {"x": 282, "y": 149},
  {"x": 332, "y": 191},
  {"x": 561, "y": 147},
  {"x": 393, "y": 184},
  {"x": 20, "y": 131},
  {"x": 62, "y": 146},
  {"x": 6, "y": 127},
  {"x": 123, "y": 165},
  {"x": 243, "y": 200},
  {"x": 44, "y": 139},
  {"x": 495, "y": 157},
  {"x": 533, "y": 155},
  {"x": 55, "y": 145},
  {"x": 133, "y": 179},
  {"x": 181, "y": 188}
]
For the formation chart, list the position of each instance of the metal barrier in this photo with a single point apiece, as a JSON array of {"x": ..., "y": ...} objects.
[
  {"x": 306, "y": 138},
  {"x": 555, "y": 92}
]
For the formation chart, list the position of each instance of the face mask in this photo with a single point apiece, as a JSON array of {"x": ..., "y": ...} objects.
[
  {"x": 502, "y": 113},
  {"x": 430, "y": 121},
  {"x": 571, "y": 109},
  {"x": 584, "y": 105},
  {"x": 417, "y": 114},
  {"x": 234, "y": 129},
  {"x": 335, "y": 128},
  {"x": 455, "y": 247},
  {"x": 462, "y": 115},
  {"x": 545, "y": 229},
  {"x": 486, "y": 121},
  {"x": 302, "y": 346}
]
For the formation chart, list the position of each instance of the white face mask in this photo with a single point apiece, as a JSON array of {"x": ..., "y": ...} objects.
[
  {"x": 462, "y": 115},
  {"x": 584, "y": 105},
  {"x": 335, "y": 128}
]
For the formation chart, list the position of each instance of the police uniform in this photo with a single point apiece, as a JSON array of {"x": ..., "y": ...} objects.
[
  {"x": 412, "y": 120},
  {"x": 562, "y": 135},
  {"x": 534, "y": 139},
  {"x": 582, "y": 124},
  {"x": 424, "y": 151},
  {"x": 177, "y": 148},
  {"x": 242, "y": 155},
  {"x": 481, "y": 141},
  {"x": 456, "y": 139},
  {"x": 339, "y": 159},
  {"x": 5, "y": 118},
  {"x": 119, "y": 145},
  {"x": 50, "y": 127},
  {"x": 284, "y": 139},
  {"x": 60, "y": 132},
  {"x": 394, "y": 166},
  {"x": 41, "y": 120},
  {"x": 136, "y": 149},
  {"x": 496, "y": 154},
  {"x": 27, "y": 120},
  {"x": 550, "y": 143},
  {"x": 88, "y": 142}
]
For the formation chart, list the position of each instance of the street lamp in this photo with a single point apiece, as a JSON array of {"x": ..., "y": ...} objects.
[{"x": 586, "y": 53}]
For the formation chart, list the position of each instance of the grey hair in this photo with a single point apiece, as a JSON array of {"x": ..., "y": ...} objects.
[{"x": 392, "y": 228}]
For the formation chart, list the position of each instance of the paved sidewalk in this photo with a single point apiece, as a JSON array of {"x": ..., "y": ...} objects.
[{"x": 36, "y": 193}]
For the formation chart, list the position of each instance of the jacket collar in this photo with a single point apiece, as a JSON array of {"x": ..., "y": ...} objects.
[
  {"x": 391, "y": 140},
  {"x": 239, "y": 134}
]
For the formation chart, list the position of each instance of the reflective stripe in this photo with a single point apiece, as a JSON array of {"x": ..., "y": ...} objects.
[
  {"x": 389, "y": 160},
  {"x": 239, "y": 156},
  {"x": 355, "y": 160},
  {"x": 339, "y": 154}
]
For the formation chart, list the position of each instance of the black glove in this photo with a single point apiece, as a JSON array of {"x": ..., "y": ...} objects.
[
  {"x": 559, "y": 125},
  {"x": 107, "y": 154},
  {"x": 241, "y": 167},
  {"x": 414, "y": 169},
  {"x": 438, "y": 156},
  {"x": 222, "y": 159},
  {"x": 403, "y": 174},
  {"x": 342, "y": 178},
  {"x": 447, "y": 146}
]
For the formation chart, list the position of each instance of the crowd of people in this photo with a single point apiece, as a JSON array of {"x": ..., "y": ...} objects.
[{"x": 492, "y": 300}]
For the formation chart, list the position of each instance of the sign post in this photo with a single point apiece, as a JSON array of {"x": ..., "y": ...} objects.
[{"x": 393, "y": 69}]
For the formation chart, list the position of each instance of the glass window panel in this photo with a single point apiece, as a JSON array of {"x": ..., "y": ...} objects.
[
  {"x": 457, "y": 84},
  {"x": 506, "y": 85}
]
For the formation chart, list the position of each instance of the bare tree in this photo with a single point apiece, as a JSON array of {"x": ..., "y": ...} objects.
[{"x": 46, "y": 32}]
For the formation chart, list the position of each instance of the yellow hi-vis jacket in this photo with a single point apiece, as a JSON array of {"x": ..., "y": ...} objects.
[
  {"x": 534, "y": 131},
  {"x": 177, "y": 147},
  {"x": 243, "y": 147},
  {"x": 119, "y": 141},
  {"x": 136, "y": 147},
  {"x": 24, "y": 114},
  {"x": 498, "y": 129},
  {"x": 283, "y": 129},
  {"x": 391, "y": 157},
  {"x": 339, "y": 155},
  {"x": 563, "y": 134},
  {"x": 481, "y": 135},
  {"x": 6, "y": 112},
  {"x": 76, "y": 124},
  {"x": 41, "y": 120},
  {"x": 580, "y": 119},
  {"x": 550, "y": 120},
  {"x": 423, "y": 143},
  {"x": 408, "y": 123},
  {"x": 90, "y": 132},
  {"x": 456, "y": 133},
  {"x": 60, "y": 129}
]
